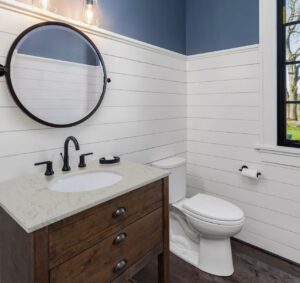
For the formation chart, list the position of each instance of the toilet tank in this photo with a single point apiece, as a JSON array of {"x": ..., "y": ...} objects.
[{"x": 177, "y": 178}]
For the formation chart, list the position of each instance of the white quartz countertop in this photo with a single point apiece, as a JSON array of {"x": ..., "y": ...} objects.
[{"x": 29, "y": 202}]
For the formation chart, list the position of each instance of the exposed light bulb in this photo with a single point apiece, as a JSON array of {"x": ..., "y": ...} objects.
[{"x": 90, "y": 12}]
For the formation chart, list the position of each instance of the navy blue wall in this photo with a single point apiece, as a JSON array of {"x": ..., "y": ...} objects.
[
  {"x": 221, "y": 24},
  {"x": 184, "y": 26},
  {"x": 158, "y": 22}
]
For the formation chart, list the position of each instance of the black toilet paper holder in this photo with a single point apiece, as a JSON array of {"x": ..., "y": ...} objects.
[{"x": 246, "y": 167}]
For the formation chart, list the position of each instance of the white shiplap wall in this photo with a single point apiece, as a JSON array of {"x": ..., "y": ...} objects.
[
  {"x": 223, "y": 126},
  {"x": 142, "y": 117}
]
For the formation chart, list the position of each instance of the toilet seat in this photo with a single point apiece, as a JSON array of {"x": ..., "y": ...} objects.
[
  {"x": 213, "y": 210},
  {"x": 214, "y": 221}
]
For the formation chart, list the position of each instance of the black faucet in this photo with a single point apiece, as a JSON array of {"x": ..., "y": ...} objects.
[{"x": 66, "y": 166}]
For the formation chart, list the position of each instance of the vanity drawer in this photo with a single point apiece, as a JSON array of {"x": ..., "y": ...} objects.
[
  {"x": 109, "y": 258},
  {"x": 75, "y": 234}
]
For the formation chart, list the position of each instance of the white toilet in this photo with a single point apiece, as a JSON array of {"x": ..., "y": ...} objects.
[{"x": 201, "y": 226}]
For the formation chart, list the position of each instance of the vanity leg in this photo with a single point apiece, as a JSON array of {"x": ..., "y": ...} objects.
[
  {"x": 26, "y": 251},
  {"x": 163, "y": 258}
]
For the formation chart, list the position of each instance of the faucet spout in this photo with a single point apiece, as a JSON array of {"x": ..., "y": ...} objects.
[{"x": 66, "y": 166}]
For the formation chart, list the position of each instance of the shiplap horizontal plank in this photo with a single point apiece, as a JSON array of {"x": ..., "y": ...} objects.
[
  {"x": 230, "y": 86},
  {"x": 129, "y": 98},
  {"x": 136, "y": 113},
  {"x": 207, "y": 136},
  {"x": 266, "y": 216},
  {"x": 224, "y": 99},
  {"x": 181, "y": 154},
  {"x": 154, "y": 154},
  {"x": 269, "y": 245},
  {"x": 229, "y": 152},
  {"x": 52, "y": 138},
  {"x": 285, "y": 175},
  {"x": 224, "y": 60},
  {"x": 119, "y": 81},
  {"x": 287, "y": 160},
  {"x": 15, "y": 119},
  {"x": 281, "y": 236},
  {"x": 128, "y": 82},
  {"x": 229, "y": 184},
  {"x": 115, "y": 98},
  {"x": 227, "y": 73},
  {"x": 287, "y": 179},
  {"x": 233, "y": 126},
  {"x": 128, "y": 66},
  {"x": 226, "y": 112}
]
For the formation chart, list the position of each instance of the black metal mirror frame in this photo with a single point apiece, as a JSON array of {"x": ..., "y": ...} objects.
[{"x": 6, "y": 71}]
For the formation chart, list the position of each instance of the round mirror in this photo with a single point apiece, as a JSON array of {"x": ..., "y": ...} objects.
[{"x": 56, "y": 74}]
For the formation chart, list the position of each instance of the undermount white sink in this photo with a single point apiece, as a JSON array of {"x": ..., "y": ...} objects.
[{"x": 84, "y": 182}]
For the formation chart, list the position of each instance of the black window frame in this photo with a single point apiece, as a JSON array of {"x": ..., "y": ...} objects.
[{"x": 281, "y": 76}]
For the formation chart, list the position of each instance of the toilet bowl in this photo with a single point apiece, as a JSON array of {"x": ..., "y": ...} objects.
[{"x": 200, "y": 226}]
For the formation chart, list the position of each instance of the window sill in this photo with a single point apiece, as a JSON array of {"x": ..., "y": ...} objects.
[{"x": 279, "y": 155}]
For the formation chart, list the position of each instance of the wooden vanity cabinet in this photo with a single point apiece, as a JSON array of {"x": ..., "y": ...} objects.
[{"x": 107, "y": 243}]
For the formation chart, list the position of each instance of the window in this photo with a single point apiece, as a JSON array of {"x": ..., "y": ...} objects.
[{"x": 288, "y": 73}]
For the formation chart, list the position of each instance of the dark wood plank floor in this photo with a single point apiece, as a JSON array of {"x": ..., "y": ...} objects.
[{"x": 251, "y": 266}]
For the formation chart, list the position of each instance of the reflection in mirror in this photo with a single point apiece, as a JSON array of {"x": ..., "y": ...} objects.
[{"x": 57, "y": 75}]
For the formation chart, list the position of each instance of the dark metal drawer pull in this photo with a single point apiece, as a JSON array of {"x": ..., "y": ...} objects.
[
  {"x": 119, "y": 212},
  {"x": 120, "y": 265},
  {"x": 120, "y": 238}
]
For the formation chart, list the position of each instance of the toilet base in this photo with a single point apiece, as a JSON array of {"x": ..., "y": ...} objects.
[
  {"x": 184, "y": 250},
  {"x": 211, "y": 256},
  {"x": 215, "y": 256}
]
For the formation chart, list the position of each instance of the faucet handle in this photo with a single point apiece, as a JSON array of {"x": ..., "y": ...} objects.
[
  {"x": 82, "y": 163},
  {"x": 49, "y": 167}
]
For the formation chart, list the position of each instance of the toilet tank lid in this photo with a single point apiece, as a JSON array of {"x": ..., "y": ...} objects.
[{"x": 169, "y": 163}]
